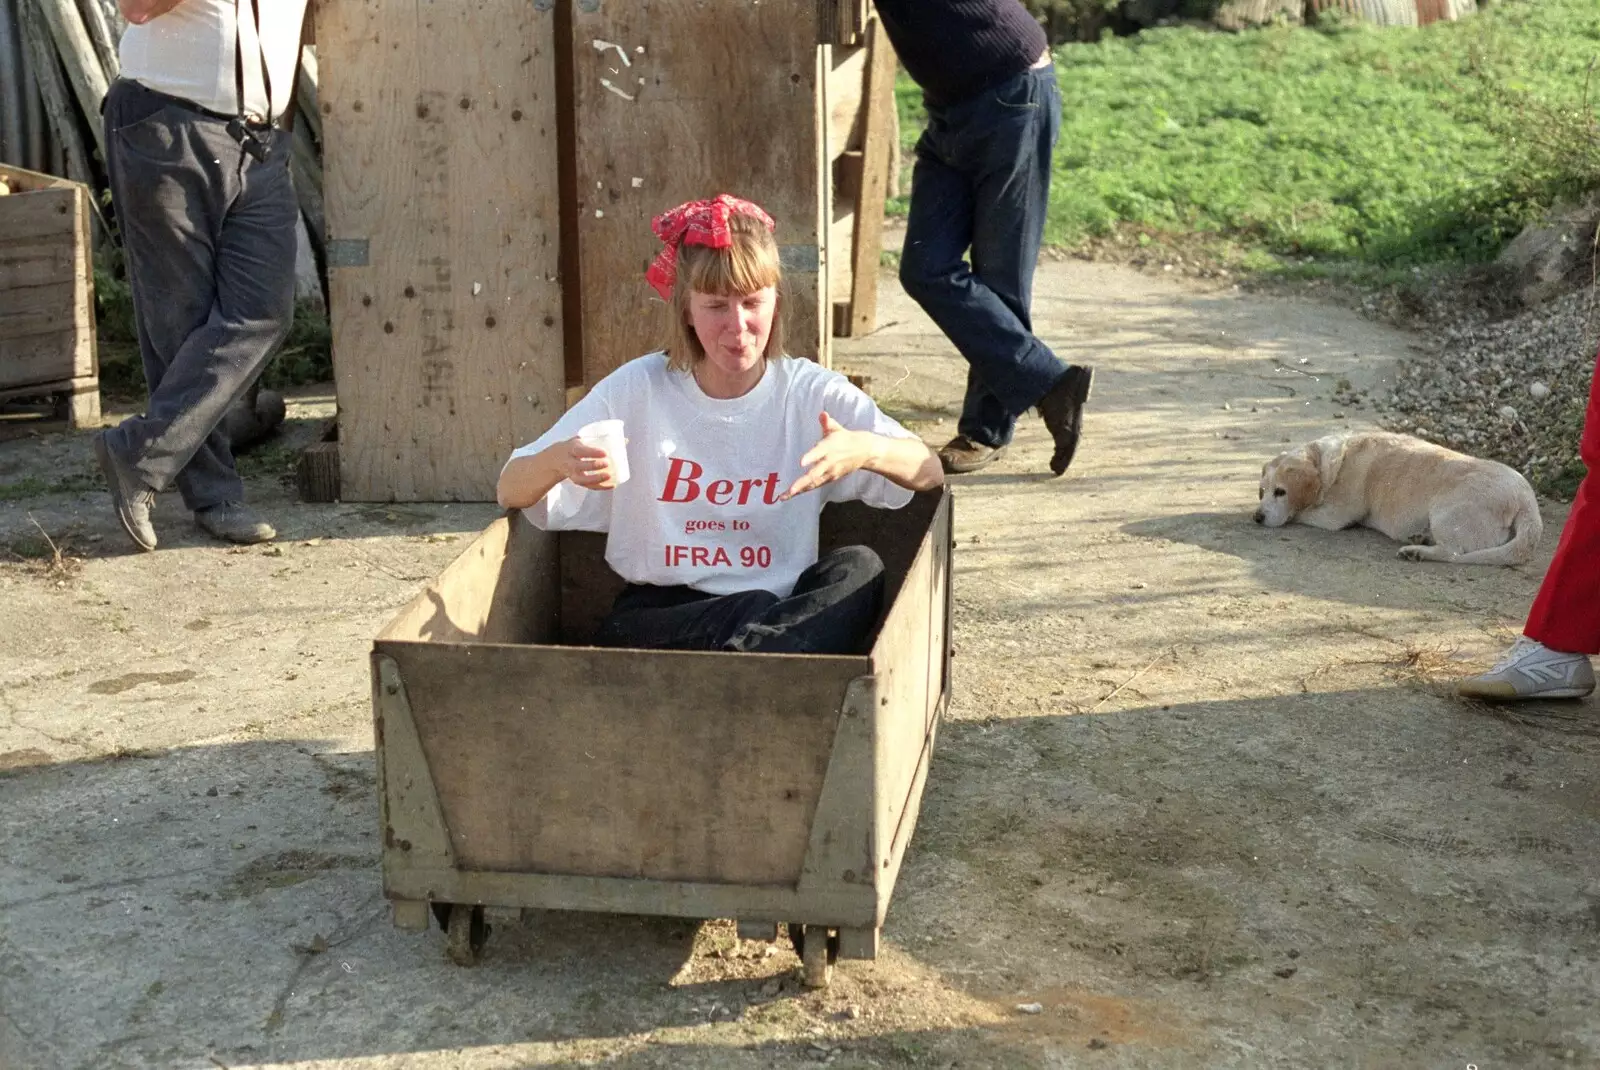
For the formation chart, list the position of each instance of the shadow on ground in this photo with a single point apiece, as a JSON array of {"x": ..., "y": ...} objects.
[{"x": 1376, "y": 871}]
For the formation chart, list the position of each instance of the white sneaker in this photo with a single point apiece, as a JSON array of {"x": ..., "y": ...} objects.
[{"x": 1532, "y": 670}]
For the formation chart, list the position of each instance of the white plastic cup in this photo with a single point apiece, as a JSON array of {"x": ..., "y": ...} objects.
[{"x": 607, "y": 435}]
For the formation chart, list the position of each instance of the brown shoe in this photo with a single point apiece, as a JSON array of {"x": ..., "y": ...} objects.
[
  {"x": 1062, "y": 410},
  {"x": 961, "y": 454}
]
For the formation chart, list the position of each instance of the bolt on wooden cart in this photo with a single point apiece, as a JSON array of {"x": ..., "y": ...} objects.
[{"x": 519, "y": 769}]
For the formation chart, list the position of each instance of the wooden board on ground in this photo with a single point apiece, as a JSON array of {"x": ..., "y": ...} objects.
[
  {"x": 440, "y": 187},
  {"x": 680, "y": 99},
  {"x": 317, "y": 472},
  {"x": 47, "y": 337}
]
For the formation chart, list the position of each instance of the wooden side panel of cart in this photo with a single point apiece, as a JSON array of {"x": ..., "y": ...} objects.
[{"x": 766, "y": 788}]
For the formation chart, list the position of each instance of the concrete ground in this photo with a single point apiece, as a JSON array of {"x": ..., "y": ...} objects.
[{"x": 1202, "y": 798}]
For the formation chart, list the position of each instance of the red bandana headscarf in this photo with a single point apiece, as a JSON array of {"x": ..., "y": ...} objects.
[{"x": 696, "y": 223}]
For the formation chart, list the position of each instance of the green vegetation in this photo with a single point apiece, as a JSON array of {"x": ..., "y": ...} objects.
[
  {"x": 1339, "y": 149},
  {"x": 1370, "y": 148},
  {"x": 34, "y": 487},
  {"x": 306, "y": 356}
]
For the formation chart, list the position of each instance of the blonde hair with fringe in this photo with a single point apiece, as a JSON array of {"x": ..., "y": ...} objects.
[{"x": 749, "y": 264}]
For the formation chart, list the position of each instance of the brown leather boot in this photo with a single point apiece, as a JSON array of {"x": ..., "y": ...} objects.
[{"x": 961, "y": 454}]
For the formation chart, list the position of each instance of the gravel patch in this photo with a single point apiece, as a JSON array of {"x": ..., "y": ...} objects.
[{"x": 1514, "y": 390}]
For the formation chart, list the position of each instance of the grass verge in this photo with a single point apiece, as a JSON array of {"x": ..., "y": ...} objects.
[{"x": 1341, "y": 150}]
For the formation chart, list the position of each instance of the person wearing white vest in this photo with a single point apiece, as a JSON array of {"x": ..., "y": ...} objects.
[
  {"x": 732, "y": 450},
  {"x": 199, "y": 167}
]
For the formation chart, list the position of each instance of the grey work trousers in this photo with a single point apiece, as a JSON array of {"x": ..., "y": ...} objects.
[{"x": 209, "y": 236}]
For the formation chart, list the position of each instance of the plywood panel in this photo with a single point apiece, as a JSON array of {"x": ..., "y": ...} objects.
[
  {"x": 440, "y": 181},
  {"x": 659, "y": 765},
  {"x": 711, "y": 97}
]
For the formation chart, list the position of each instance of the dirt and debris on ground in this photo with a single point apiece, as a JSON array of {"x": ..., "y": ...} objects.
[
  {"x": 1497, "y": 367},
  {"x": 1514, "y": 390},
  {"x": 1202, "y": 798}
]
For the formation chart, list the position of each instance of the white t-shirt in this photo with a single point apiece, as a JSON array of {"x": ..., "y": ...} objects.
[
  {"x": 701, "y": 507},
  {"x": 189, "y": 52}
]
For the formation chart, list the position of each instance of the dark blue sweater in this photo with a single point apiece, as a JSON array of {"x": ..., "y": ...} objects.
[{"x": 955, "y": 49}]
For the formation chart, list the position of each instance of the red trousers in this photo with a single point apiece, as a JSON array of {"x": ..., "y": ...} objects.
[{"x": 1566, "y": 615}]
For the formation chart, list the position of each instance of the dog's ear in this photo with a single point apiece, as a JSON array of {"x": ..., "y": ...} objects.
[{"x": 1329, "y": 458}]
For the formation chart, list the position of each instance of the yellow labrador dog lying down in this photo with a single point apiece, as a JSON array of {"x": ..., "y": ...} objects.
[{"x": 1445, "y": 505}]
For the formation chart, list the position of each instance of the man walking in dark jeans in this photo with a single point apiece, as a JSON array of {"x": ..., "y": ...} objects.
[
  {"x": 200, "y": 180},
  {"x": 982, "y": 181}
]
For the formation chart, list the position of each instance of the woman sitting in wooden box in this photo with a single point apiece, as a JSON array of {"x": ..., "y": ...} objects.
[{"x": 734, "y": 450}]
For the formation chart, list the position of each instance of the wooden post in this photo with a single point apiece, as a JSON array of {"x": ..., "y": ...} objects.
[
  {"x": 53, "y": 93},
  {"x": 875, "y": 154},
  {"x": 12, "y": 91},
  {"x": 896, "y": 160},
  {"x": 77, "y": 53},
  {"x": 310, "y": 100},
  {"x": 305, "y": 162},
  {"x": 305, "y": 165},
  {"x": 105, "y": 46}
]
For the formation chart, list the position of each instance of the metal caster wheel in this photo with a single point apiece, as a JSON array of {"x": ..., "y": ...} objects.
[
  {"x": 818, "y": 948},
  {"x": 465, "y": 934}
]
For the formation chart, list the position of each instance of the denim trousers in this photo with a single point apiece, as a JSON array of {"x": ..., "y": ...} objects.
[
  {"x": 981, "y": 181},
  {"x": 209, "y": 237},
  {"x": 832, "y": 610}
]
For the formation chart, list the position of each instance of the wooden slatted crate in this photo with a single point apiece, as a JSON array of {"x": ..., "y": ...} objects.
[{"x": 47, "y": 338}]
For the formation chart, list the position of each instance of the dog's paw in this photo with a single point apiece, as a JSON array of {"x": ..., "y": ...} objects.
[{"x": 1415, "y": 552}]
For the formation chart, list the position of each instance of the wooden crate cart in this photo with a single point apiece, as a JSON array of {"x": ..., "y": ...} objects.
[
  {"x": 514, "y": 773},
  {"x": 47, "y": 340}
]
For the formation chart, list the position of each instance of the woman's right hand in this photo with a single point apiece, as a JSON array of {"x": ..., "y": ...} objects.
[
  {"x": 589, "y": 467},
  {"x": 526, "y": 480}
]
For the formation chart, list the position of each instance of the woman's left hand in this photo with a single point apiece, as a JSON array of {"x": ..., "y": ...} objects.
[{"x": 840, "y": 452}]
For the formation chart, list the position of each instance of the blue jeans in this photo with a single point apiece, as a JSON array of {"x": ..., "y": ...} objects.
[
  {"x": 209, "y": 235},
  {"x": 832, "y": 610},
  {"x": 982, "y": 181}
]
